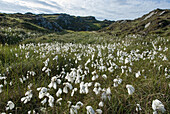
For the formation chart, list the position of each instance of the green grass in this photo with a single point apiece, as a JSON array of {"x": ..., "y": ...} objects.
[
  {"x": 15, "y": 65},
  {"x": 72, "y": 37}
]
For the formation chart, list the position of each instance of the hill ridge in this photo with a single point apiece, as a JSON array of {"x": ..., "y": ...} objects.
[{"x": 154, "y": 22}]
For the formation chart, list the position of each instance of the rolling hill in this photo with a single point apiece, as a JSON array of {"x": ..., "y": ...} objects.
[
  {"x": 15, "y": 28},
  {"x": 18, "y": 27},
  {"x": 155, "y": 22}
]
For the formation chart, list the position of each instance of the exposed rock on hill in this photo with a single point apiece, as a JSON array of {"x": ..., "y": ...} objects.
[
  {"x": 52, "y": 22},
  {"x": 76, "y": 23},
  {"x": 156, "y": 21},
  {"x": 43, "y": 22}
]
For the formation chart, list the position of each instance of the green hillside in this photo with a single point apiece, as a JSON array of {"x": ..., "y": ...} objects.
[
  {"x": 155, "y": 22},
  {"x": 15, "y": 28}
]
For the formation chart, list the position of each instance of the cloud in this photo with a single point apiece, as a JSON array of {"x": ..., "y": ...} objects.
[
  {"x": 12, "y": 8},
  {"x": 101, "y": 9}
]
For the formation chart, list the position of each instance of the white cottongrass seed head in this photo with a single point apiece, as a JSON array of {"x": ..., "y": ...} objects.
[
  {"x": 10, "y": 105},
  {"x": 157, "y": 105},
  {"x": 130, "y": 89},
  {"x": 90, "y": 110}
]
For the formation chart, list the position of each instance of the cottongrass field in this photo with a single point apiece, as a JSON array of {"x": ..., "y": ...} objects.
[{"x": 129, "y": 75}]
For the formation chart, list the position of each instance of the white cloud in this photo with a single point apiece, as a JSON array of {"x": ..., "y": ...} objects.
[{"x": 101, "y": 9}]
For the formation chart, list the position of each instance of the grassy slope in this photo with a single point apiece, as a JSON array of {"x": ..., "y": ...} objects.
[
  {"x": 25, "y": 26},
  {"x": 13, "y": 29},
  {"x": 159, "y": 25}
]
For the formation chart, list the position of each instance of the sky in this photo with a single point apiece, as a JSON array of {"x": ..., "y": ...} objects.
[{"x": 101, "y": 9}]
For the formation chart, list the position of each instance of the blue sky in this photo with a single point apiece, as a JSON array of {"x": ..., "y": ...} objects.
[{"x": 101, "y": 9}]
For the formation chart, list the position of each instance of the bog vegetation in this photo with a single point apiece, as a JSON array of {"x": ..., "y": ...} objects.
[{"x": 101, "y": 74}]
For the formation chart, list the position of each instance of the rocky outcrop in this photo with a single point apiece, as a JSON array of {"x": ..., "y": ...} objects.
[
  {"x": 46, "y": 24},
  {"x": 53, "y": 22},
  {"x": 75, "y": 23},
  {"x": 58, "y": 22}
]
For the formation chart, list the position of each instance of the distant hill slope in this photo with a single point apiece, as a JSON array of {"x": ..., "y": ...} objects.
[
  {"x": 156, "y": 21},
  {"x": 52, "y": 22},
  {"x": 15, "y": 28},
  {"x": 75, "y": 23},
  {"x": 18, "y": 27}
]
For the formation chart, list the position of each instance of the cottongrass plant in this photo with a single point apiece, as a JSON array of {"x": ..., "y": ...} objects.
[{"x": 122, "y": 76}]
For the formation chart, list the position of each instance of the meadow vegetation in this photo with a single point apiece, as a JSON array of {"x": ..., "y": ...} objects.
[{"x": 80, "y": 72}]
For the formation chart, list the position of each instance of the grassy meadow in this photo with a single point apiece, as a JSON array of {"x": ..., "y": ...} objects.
[{"x": 85, "y": 72}]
